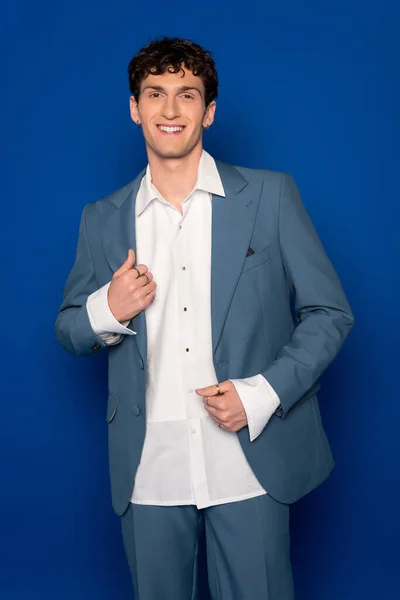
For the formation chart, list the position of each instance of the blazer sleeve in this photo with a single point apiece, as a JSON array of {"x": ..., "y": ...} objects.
[
  {"x": 73, "y": 330},
  {"x": 322, "y": 310}
]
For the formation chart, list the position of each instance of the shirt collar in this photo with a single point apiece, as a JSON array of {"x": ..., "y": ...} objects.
[{"x": 208, "y": 180}]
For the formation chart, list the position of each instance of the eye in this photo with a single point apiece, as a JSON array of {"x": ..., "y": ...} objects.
[
  {"x": 154, "y": 94},
  {"x": 188, "y": 96}
]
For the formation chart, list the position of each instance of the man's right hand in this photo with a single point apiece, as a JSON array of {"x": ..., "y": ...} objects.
[{"x": 128, "y": 293}]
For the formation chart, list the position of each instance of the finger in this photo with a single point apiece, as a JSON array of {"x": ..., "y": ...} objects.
[
  {"x": 128, "y": 264},
  {"x": 150, "y": 288},
  {"x": 213, "y": 405},
  {"x": 144, "y": 279},
  {"x": 219, "y": 422},
  {"x": 150, "y": 296},
  {"x": 212, "y": 390}
]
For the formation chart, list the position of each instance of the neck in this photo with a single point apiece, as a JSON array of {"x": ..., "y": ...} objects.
[{"x": 174, "y": 178}]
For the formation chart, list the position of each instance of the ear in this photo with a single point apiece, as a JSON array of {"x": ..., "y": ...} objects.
[
  {"x": 134, "y": 110},
  {"x": 208, "y": 118}
]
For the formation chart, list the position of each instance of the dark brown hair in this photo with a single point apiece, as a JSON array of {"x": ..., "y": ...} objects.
[{"x": 168, "y": 54}]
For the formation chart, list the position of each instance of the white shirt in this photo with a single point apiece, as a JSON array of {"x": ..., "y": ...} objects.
[{"x": 186, "y": 457}]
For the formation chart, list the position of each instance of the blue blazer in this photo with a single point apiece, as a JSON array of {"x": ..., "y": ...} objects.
[{"x": 281, "y": 312}]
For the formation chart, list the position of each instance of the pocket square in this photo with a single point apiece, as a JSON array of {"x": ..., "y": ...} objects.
[{"x": 250, "y": 251}]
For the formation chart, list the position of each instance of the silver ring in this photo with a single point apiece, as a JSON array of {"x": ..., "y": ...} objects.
[
  {"x": 218, "y": 390},
  {"x": 145, "y": 275},
  {"x": 137, "y": 271}
]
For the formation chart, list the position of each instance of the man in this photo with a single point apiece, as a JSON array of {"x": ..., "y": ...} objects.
[{"x": 186, "y": 275}]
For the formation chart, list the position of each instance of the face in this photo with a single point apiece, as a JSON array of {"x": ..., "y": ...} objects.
[{"x": 172, "y": 113}]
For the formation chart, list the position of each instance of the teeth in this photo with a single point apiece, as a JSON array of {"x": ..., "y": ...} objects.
[{"x": 170, "y": 129}]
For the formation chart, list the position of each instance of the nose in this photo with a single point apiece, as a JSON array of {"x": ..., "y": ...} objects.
[{"x": 171, "y": 108}]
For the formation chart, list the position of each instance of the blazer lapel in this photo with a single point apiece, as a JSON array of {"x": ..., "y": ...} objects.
[
  {"x": 118, "y": 231},
  {"x": 233, "y": 218}
]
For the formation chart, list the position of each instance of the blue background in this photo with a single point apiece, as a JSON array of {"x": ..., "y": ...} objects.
[{"x": 311, "y": 88}]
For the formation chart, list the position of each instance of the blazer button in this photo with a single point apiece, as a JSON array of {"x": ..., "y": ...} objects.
[
  {"x": 136, "y": 410},
  {"x": 96, "y": 347}
]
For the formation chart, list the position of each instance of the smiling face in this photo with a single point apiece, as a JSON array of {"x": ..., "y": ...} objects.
[{"x": 172, "y": 112}]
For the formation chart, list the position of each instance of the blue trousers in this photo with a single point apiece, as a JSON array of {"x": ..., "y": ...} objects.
[{"x": 244, "y": 545}]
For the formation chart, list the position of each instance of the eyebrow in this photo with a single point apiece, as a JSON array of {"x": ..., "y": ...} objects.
[{"x": 182, "y": 88}]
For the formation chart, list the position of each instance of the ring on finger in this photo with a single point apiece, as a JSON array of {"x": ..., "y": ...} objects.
[{"x": 137, "y": 271}]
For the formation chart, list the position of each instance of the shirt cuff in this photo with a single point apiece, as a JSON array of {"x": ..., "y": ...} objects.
[
  {"x": 103, "y": 322},
  {"x": 259, "y": 400}
]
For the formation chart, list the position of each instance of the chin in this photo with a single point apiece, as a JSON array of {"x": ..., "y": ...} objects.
[{"x": 172, "y": 152}]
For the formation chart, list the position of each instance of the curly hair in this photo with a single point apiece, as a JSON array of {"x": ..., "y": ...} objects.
[{"x": 168, "y": 53}]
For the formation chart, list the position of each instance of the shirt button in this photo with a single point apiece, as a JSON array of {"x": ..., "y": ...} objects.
[
  {"x": 185, "y": 308},
  {"x": 187, "y": 349},
  {"x": 193, "y": 431},
  {"x": 180, "y": 226},
  {"x": 183, "y": 268},
  {"x": 191, "y": 391}
]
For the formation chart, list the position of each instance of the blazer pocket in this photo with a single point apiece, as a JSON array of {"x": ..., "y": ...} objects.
[
  {"x": 112, "y": 407},
  {"x": 256, "y": 259}
]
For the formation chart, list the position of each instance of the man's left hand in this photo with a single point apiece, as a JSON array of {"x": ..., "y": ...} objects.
[{"x": 225, "y": 408}]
